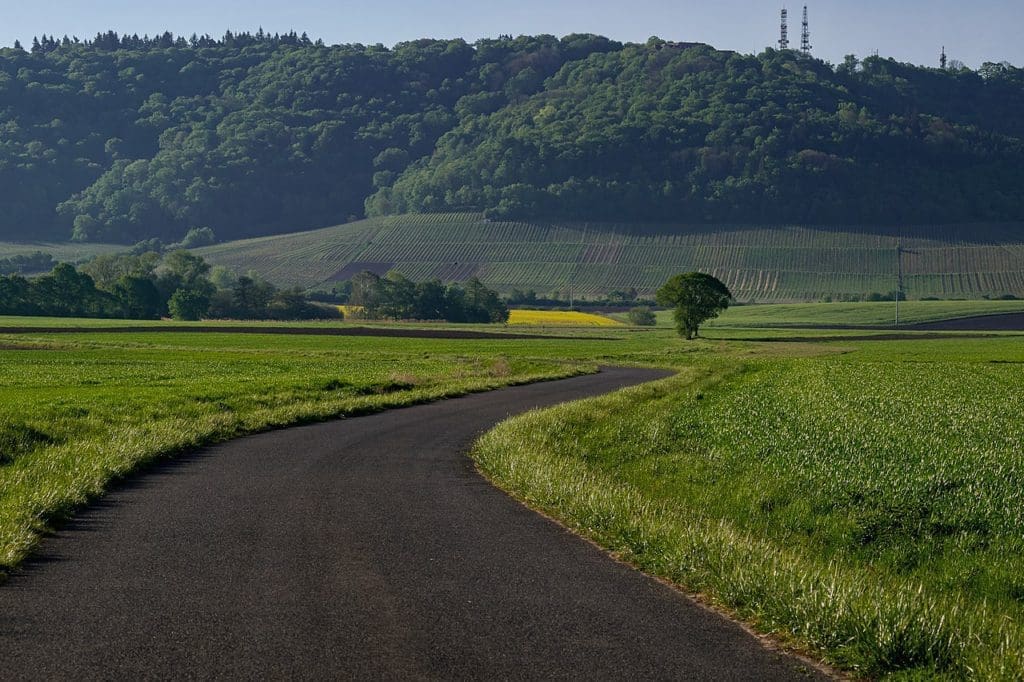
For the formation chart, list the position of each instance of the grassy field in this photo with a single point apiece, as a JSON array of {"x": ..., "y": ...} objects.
[
  {"x": 759, "y": 263},
  {"x": 862, "y": 499},
  {"x": 72, "y": 252},
  {"x": 864, "y": 314},
  {"x": 859, "y": 499},
  {"x": 853, "y": 314}
]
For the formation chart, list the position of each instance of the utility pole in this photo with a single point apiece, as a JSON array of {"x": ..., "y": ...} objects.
[{"x": 899, "y": 279}]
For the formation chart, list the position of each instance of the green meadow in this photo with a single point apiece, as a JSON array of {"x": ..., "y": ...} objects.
[
  {"x": 860, "y": 500},
  {"x": 863, "y": 314}
]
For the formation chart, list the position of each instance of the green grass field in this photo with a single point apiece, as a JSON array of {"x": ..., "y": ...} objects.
[
  {"x": 853, "y": 314},
  {"x": 71, "y": 252},
  {"x": 860, "y": 500},
  {"x": 863, "y": 499},
  {"x": 763, "y": 264},
  {"x": 864, "y": 314}
]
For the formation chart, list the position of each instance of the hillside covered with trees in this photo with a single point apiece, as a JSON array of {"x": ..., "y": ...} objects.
[{"x": 122, "y": 138}]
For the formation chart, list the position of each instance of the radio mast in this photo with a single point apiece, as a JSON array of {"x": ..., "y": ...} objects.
[
  {"x": 784, "y": 34},
  {"x": 805, "y": 36}
]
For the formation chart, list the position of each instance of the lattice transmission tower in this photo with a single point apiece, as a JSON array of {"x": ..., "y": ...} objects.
[
  {"x": 805, "y": 35},
  {"x": 784, "y": 33}
]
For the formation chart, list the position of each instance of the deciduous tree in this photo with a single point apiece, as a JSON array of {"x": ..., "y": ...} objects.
[{"x": 694, "y": 297}]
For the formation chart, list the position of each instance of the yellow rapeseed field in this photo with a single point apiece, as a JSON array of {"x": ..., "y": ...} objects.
[
  {"x": 353, "y": 311},
  {"x": 560, "y": 318}
]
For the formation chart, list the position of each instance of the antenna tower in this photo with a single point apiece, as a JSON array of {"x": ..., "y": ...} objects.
[
  {"x": 784, "y": 36},
  {"x": 943, "y": 59},
  {"x": 805, "y": 35}
]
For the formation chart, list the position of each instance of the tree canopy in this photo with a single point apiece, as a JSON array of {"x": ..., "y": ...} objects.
[
  {"x": 148, "y": 286},
  {"x": 695, "y": 298},
  {"x": 122, "y": 138},
  {"x": 397, "y": 297}
]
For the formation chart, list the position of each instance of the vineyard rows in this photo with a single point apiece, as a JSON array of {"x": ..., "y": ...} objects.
[{"x": 759, "y": 263}]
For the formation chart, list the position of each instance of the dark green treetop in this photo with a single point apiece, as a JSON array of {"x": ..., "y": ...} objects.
[{"x": 694, "y": 297}]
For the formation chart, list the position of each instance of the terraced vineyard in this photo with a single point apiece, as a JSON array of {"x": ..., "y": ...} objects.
[{"x": 765, "y": 264}]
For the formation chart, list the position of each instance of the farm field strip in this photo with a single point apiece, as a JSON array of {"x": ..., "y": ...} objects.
[
  {"x": 779, "y": 263},
  {"x": 853, "y": 314},
  {"x": 559, "y": 318},
  {"x": 62, "y": 251}
]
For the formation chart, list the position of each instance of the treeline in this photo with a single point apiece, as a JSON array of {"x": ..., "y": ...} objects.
[
  {"x": 112, "y": 40},
  {"x": 121, "y": 138},
  {"x": 397, "y": 297},
  {"x": 148, "y": 286},
  {"x": 28, "y": 263}
]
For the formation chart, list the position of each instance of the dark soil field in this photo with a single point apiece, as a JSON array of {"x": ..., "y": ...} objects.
[{"x": 1007, "y": 322}]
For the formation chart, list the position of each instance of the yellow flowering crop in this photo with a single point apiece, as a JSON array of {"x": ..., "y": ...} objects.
[{"x": 560, "y": 318}]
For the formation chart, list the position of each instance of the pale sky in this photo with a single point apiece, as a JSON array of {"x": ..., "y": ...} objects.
[{"x": 913, "y": 31}]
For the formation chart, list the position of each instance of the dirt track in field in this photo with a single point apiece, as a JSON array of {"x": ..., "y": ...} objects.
[{"x": 365, "y": 548}]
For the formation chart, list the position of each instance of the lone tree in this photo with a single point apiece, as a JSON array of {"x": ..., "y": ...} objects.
[{"x": 695, "y": 298}]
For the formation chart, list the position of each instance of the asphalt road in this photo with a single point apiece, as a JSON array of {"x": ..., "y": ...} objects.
[{"x": 360, "y": 548}]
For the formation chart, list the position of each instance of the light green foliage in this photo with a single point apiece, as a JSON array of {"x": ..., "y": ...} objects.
[
  {"x": 642, "y": 316},
  {"x": 186, "y": 305},
  {"x": 868, "y": 504}
]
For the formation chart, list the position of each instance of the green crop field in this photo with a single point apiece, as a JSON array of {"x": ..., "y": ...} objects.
[
  {"x": 853, "y": 314},
  {"x": 764, "y": 264},
  {"x": 70, "y": 252},
  {"x": 860, "y": 500},
  {"x": 864, "y": 314},
  {"x": 865, "y": 502}
]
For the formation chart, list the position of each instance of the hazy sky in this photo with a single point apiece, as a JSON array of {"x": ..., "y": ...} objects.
[{"x": 909, "y": 30}]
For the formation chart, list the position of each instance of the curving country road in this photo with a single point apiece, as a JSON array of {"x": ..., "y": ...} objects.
[{"x": 359, "y": 548}]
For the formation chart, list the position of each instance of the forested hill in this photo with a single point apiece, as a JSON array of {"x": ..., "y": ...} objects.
[{"x": 123, "y": 139}]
